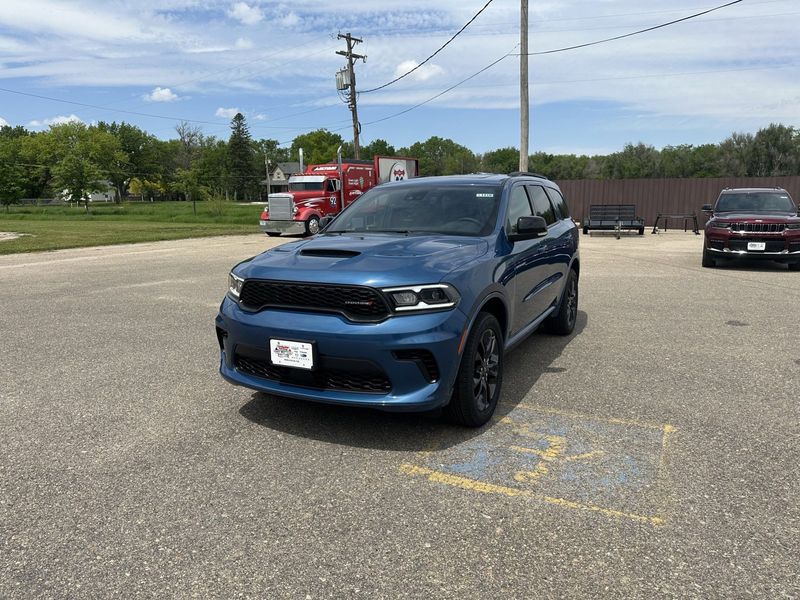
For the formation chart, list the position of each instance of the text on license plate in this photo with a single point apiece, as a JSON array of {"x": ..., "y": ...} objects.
[
  {"x": 756, "y": 245},
  {"x": 291, "y": 354}
]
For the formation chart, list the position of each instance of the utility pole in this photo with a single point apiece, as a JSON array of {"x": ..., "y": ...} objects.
[
  {"x": 524, "y": 106},
  {"x": 266, "y": 168},
  {"x": 349, "y": 82}
]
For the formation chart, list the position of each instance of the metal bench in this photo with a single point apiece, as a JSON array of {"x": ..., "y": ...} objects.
[{"x": 614, "y": 217}]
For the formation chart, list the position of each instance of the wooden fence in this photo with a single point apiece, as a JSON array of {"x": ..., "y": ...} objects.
[{"x": 653, "y": 196}]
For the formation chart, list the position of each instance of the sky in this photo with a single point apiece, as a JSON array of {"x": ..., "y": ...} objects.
[{"x": 156, "y": 62}]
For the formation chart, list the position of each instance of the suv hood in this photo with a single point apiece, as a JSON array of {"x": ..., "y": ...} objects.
[
  {"x": 378, "y": 260},
  {"x": 764, "y": 217}
]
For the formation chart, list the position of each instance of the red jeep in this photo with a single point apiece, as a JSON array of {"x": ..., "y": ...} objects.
[{"x": 753, "y": 223}]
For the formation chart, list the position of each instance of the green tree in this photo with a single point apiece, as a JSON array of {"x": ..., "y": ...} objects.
[
  {"x": 502, "y": 160},
  {"x": 775, "y": 152},
  {"x": 636, "y": 161},
  {"x": 241, "y": 159},
  {"x": 140, "y": 159},
  {"x": 378, "y": 147},
  {"x": 735, "y": 155},
  {"x": 83, "y": 157},
  {"x": 438, "y": 156},
  {"x": 318, "y": 146},
  {"x": 12, "y": 171}
]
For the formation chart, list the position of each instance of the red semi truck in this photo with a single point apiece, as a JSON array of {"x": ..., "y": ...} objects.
[{"x": 324, "y": 190}]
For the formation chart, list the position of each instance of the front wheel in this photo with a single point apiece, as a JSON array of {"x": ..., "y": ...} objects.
[
  {"x": 480, "y": 375},
  {"x": 312, "y": 225},
  {"x": 708, "y": 261}
]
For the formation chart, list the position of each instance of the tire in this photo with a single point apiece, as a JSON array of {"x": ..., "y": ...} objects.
[
  {"x": 708, "y": 261},
  {"x": 312, "y": 225},
  {"x": 480, "y": 376},
  {"x": 273, "y": 233},
  {"x": 794, "y": 266},
  {"x": 563, "y": 321}
]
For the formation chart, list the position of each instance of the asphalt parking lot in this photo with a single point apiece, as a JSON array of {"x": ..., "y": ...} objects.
[{"x": 654, "y": 453}]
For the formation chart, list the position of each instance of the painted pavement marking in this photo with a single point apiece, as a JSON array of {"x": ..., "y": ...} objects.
[{"x": 614, "y": 467}]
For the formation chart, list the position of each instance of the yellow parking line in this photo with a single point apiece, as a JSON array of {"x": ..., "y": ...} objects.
[{"x": 489, "y": 488}]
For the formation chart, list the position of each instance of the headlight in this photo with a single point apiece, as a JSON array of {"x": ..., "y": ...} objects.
[
  {"x": 422, "y": 297},
  {"x": 793, "y": 226},
  {"x": 235, "y": 284},
  {"x": 720, "y": 225}
]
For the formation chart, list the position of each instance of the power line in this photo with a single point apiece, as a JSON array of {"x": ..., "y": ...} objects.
[
  {"x": 442, "y": 93},
  {"x": 442, "y": 47},
  {"x": 627, "y": 35}
]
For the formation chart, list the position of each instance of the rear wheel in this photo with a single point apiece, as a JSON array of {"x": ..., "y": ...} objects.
[
  {"x": 708, "y": 261},
  {"x": 480, "y": 375},
  {"x": 563, "y": 322},
  {"x": 312, "y": 225}
]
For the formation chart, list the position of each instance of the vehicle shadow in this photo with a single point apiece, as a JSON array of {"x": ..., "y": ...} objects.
[{"x": 368, "y": 428}]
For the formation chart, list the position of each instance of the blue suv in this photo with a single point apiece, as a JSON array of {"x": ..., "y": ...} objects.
[{"x": 409, "y": 298}]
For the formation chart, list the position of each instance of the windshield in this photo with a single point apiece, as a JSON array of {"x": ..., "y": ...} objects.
[
  {"x": 434, "y": 208},
  {"x": 306, "y": 183},
  {"x": 755, "y": 202}
]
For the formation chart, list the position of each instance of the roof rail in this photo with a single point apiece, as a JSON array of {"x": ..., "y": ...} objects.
[{"x": 526, "y": 173}]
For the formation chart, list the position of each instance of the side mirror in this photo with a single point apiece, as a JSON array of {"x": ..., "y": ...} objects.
[
  {"x": 529, "y": 228},
  {"x": 707, "y": 208},
  {"x": 325, "y": 221}
]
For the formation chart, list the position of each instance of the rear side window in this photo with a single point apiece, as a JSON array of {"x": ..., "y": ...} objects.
[
  {"x": 558, "y": 201},
  {"x": 518, "y": 206},
  {"x": 541, "y": 204}
]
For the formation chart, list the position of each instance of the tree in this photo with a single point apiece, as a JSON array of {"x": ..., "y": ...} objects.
[
  {"x": 318, "y": 146},
  {"x": 735, "y": 155},
  {"x": 241, "y": 158},
  {"x": 636, "y": 161},
  {"x": 775, "y": 152},
  {"x": 140, "y": 156},
  {"x": 378, "y": 147},
  {"x": 12, "y": 171},
  {"x": 438, "y": 156},
  {"x": 82, "y": 157},
  {"x": 502, "y": 160}
]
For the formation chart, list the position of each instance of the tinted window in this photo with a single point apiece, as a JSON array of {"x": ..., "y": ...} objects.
[
  {"x": 755, "y": 201},
  {"x": 558, "y": 202},
  {"x": 541, "y": 204},
  {"x": 518, "y": 206}
]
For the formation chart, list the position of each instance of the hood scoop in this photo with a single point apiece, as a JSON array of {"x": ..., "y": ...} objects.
[{"x": 329, "y": 252}]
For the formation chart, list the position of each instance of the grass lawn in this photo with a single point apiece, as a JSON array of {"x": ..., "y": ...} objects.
[{"x": 56, "y": 227}]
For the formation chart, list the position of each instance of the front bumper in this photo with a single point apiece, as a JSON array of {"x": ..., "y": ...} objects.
[
  {"x": 340, "y": 341},
  {"x": 781, "y": 247},
  {"x": 289, "y": 227}
]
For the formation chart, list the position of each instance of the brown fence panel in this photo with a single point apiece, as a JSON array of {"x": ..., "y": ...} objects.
[{"x": 653, "y": 196}]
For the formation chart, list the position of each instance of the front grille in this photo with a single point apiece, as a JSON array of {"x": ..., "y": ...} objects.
[
  {"x": 771, "y": 245},
  {"x": 280, "y": 207},
  {"x": 758, "y": 227},
  {"x": 362, "y": 376},
  {"x": 424, "y": 360},
  {"x": 357, "y": 303}
]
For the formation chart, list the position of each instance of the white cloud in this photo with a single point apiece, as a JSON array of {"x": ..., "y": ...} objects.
[
  {"x": 260, "y": 117},
  {"x": 227, "y": 113},
  {"x": 160, "y": 94},
  {"x": 425, "y": 72},
  {"x": 3, "y": 122},
  {"x": 59, "y": 120},
  {"x": 290, "y": 20},
  {"x": 243, "y": 43},
  {"x": 246, "y": 14}
]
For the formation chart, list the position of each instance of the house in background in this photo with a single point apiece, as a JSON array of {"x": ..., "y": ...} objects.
[{"x": 279, "y": 177}]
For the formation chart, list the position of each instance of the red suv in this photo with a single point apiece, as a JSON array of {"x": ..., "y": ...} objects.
[{"x": 753, "y": 223}]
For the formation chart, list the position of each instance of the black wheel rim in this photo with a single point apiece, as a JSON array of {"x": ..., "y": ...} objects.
[
  {"x": 572, "y": 302},
  {"x": 485, "y": 370}
]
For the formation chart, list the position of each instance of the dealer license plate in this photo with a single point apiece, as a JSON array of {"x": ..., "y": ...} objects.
[
  {"x": 291, "y": 354},
  {"x": 262, "y": 223},
  {"x": 756, "y": 245}
]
